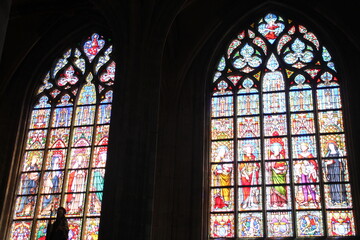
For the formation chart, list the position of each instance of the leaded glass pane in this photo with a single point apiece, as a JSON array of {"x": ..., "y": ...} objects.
[
  {"x": 340, "y": 223},
  {"x": 280, "y": 224},
  {"x": 251, "y": 225},
  {"x": 65, "y": 150},
  {"x": 278, "y": 157},
  {"x": 222, "y": 225},
  {"x": 309, "y": 223}
]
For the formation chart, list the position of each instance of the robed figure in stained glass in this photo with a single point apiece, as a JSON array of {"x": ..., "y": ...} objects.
[
  {"x": 335, "y": 172},
  {"x": 276, "y": 88},
  {"x": 249, "y": 174},
  {"x": 306, "y": 172},
  {"x": 278, "y": 195},
  {"x": 223, "y": 171}
]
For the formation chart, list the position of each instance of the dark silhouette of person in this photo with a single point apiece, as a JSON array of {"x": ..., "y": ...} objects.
[{"x": 59, "y": 230}]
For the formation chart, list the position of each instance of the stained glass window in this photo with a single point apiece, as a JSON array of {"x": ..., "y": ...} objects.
[
  {"x": 63, "y": 163},
  {"x": 278, "y": 158}
]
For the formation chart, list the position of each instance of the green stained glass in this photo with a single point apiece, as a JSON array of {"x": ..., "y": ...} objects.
[
  {"x": 277, "y": 172},
  {"x": 41, "y": 229},
  {"x": 82, "y": 136},
  {"x": 278, "y": 197},
  {"x": 277, "y": 141},
  {"x": 97, "y": 180},
  {"x": 36, "y": 139},
  {"x": 65, "y": 147}
]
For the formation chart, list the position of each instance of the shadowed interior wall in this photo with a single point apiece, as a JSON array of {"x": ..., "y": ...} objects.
[{"x": 165, "y": 52}]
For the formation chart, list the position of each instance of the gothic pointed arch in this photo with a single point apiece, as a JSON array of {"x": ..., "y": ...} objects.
[
  {"x": 278, "y": 151},
  {"x": 65, "y": 149}
]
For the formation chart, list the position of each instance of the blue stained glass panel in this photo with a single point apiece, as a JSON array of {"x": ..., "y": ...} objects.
[
  {"x": 274, "y": 102},
  {"x": 301, "y": 100},
  {"x": 222, "y": 106},
  {"x": 328, "y": 98},
  {"x": 248, "y": 104}
]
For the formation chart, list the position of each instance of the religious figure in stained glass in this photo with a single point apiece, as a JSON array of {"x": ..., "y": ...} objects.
[
  {"x": 278, "y": 195},
  {"x": 223, "y": 172},
  {"x": 250, "y": 225},
  {"x": 66, "y": 144},
  {"x": 310, "y": 224},
  {"x": 278, "y": 151},
  {"x": 271, "y": 28},
  {"x": 249, "y": 176}
]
